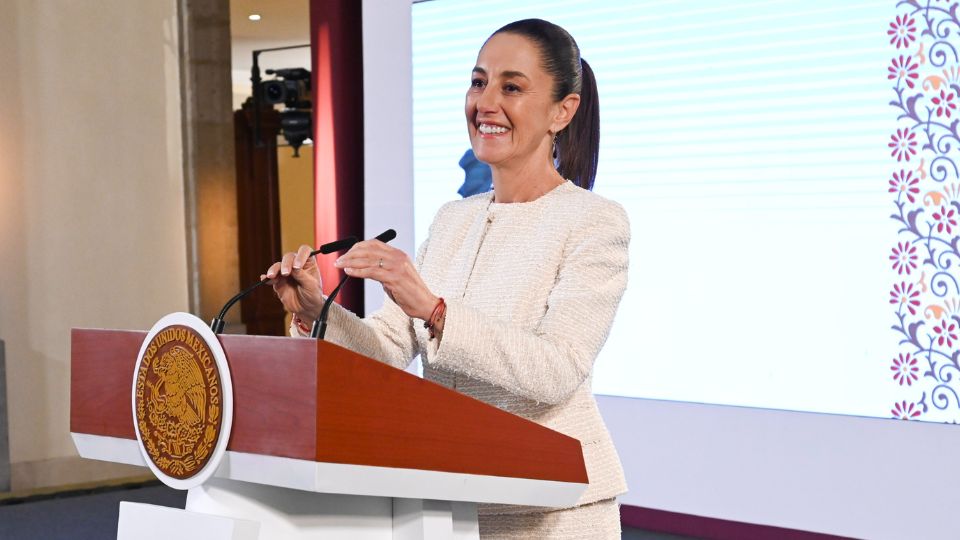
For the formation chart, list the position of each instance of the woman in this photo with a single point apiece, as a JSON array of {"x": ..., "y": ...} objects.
[{"x": 517, "y": 289}]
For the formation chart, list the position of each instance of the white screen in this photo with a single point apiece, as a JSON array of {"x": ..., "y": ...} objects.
[{"x": 748, "y": 142}]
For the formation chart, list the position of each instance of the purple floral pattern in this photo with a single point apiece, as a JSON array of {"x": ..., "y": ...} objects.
[
  {"x": 924, "y": 186},
  {"x": 906, "y": 296},
  {"x": 906, "y": 183},
  {"x": 905, "y": 370},
  {"x": 904, "y": 257},
  {"x": 945, "y": 103},
  {"x": 903, "y": 144},
  {"x": 902, "y": 31},
  {"x": 904, "y": 69},
  {"x": 905, "y": 410}
]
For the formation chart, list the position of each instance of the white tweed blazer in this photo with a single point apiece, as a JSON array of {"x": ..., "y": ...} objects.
[{"x": 531, "y": 291}]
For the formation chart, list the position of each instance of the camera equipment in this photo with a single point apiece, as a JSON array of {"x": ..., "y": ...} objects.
[
  {"x": 296, "y": 126},
  {"x": 291, "y": 88}
]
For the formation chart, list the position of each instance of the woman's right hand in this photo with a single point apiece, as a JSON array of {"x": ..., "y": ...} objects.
[{"x": 296, "y": 280}]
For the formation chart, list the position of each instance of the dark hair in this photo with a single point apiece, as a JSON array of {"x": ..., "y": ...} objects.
[{"x": 578, "y": 145}]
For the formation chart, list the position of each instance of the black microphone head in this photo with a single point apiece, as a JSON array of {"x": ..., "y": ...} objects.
[
  {"x": 387, "y": 235},
  {"x": 338, "y": 245}
]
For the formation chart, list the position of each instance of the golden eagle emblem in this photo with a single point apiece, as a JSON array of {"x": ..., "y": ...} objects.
[{"x": 178, "y": 401}]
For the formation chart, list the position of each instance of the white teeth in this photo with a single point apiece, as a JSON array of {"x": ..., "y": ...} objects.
[{"x": 488, "y": 129}]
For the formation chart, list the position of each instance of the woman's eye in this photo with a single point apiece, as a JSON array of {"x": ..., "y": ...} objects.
[
  {"x": 477, "y": 83},
  {"x": 511, "y": 88}
]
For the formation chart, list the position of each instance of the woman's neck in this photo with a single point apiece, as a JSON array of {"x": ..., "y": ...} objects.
[{"x": 524, "y": 184}]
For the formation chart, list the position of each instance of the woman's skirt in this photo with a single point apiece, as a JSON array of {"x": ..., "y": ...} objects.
[{"x": 599, "y": 520}]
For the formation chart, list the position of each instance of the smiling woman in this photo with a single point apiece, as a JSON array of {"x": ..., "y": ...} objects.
[
  {"x": 513, "y": 294},
  {"x": 513, "y": 119},
  {"x": 538, "y": 79}
]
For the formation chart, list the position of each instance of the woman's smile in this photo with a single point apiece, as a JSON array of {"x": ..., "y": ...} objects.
[
  {"x": 491, "y": 130},
  {"x": 509, "y": 103}
]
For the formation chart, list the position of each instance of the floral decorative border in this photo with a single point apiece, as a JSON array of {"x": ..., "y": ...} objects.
[{"x": 925, "y": 186}]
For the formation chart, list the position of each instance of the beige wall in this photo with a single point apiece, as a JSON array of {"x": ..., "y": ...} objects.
[
  {"x": 296, "y": 197},
  {"x": 91, "y": 200},
  {"x": 208, "y": 159}
]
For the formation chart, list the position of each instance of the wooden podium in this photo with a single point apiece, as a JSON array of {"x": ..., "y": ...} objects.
[{"x": 327, "y": 443}]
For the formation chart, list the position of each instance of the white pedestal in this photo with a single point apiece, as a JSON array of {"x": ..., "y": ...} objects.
[
  {"x": 298, "y": 499},
  {"x": 140, "y": 521},
  {"x": 414, "y": 519},
  {"x": 286, "y": 514}
]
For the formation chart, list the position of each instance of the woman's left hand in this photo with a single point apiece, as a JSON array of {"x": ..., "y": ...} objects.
[{"x": 373, "y": 259}]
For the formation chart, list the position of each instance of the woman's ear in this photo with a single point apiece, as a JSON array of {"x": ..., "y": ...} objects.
[{"x": 566, "y": 108}]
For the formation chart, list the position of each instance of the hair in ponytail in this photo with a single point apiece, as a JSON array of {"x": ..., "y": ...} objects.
[{"x": 577, "y": 145}]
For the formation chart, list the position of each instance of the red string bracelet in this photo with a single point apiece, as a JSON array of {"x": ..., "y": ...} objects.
[
  {"x": 301, "y": 325},
  {"x": 438, "y": 312}
]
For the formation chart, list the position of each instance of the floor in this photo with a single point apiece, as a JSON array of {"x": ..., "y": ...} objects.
[{"x": 92, "y": 514}]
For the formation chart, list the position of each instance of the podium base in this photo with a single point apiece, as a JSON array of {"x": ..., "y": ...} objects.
[
  {"x": 294, "y": 515},
  {"x": 140, "y": 521}
]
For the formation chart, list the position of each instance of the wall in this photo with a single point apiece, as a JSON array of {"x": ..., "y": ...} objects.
[
  {"x": 91, "y": 202},
  {"x": 4, "y": 441},
  {"x": 826, "y": 473},
  {"x": 209, "y": 165},
  {"x": 387, "y": 130},
  {"x": 296, "y": 197}
]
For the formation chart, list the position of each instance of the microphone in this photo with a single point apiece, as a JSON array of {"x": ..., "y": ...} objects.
[
  {"x": 320, "y": 325},
  {"x": 337, "y": 245},
  {"x": 386, "y": 236}
]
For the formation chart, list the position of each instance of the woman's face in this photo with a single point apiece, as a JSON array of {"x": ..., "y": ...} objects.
[{"x": 511, "y": 114}]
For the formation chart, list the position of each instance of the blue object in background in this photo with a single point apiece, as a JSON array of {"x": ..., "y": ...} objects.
[{"x": 478, "y": 178}]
